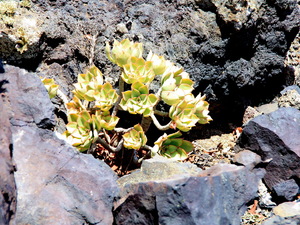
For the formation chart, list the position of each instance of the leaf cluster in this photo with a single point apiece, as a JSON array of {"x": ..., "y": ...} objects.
[{"x": 93, "y": 111}]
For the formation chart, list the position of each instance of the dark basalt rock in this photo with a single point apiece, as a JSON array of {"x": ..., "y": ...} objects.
[
  {"x": 215, "y": 196},
  {"x": 1, "y": 67},
  {"x": 233, "y": 50},
  {"x": 275, "y": 137}
]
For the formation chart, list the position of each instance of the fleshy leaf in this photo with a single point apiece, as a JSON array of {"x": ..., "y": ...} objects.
[
  {"x": 173, "y": 147},
  {"x": 135, "y": 138}
]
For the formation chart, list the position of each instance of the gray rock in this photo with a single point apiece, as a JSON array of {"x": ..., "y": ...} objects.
[
  {"x": 288, "y": 189},
  {"x": 29, "y": 98},
  {"x": 247, "y": 158},
  {"x": 275, "y": 136},
  {"x": 8, "y": 194},
  {"x": 215, "y": 196},
  {"x": 289, "y": 88},
  {"x": 287, "y": 209},
  {"x": 287, "y": 213},
  {"x": 159, "y": 169},
  {"x": 58, "y": 185},
  {"x": 55, "y": 183},
  {"x": 267, "y": 108}
]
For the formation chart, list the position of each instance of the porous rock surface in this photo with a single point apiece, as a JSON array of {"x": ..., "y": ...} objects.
[
  {"x": 8, "y": 193},
  {"x": 214, "y": 196},
  {"x": 275, "y": 137},
  {"x": 234, "y": 50},
  {"x": 55, "y": 184}
]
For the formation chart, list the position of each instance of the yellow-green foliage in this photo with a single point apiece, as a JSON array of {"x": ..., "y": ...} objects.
[
  {"x": 50, "y": 86},
  {"x": 172, "y": 146},
  {"x": 122, "y": 51},
  {"x": 138, "y": 100},
  {"x": 135, "y": 138},
  {"x": 95, "y": 103},
  {"x": 82, "y": 130},
  {"x": 90, "y": 87}
]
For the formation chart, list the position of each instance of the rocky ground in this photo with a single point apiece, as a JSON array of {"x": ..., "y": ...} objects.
[
  {"x": 238, "y": 56},
  {"x": 221, "y": 148}
]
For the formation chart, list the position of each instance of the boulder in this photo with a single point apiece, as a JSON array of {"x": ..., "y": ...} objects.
[
  {"x": 8, "y": 194},
  {"x": 275, "y": 137},
  {"x": 287, "y": 189},
  {"x": 214, "y": 196},
  {"x": 58, "y": 185},
  {"x": 55, "y": 183},
  {"x": 28, "y": 98}
]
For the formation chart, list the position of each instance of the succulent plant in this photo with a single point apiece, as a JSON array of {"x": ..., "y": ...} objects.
[
  {"x": 189, "y": 111},
  {"x": 123, "y": 51},
  {"x": 87, "y": 84},
  {"x": 105, "y": 96},
  {"x": 90, "y": 87},
  {"x": 202, "y": 109},
  {"x": 82, "y": 130},
  {"x": 138, "y": 100},
  {"x": 90, "y": 112},
  {"x": 137, "y": 69},
  {"x": 175, "y": 86},
  {"x": 50, "y": 86},
  {"x": 135, "y": 138},
  {"x": 75, "y": 106},
  {"x": 173, "y": 147},
  {"x": 159, "y": 64},
  {"x": 183, "y": 114},
  {"x": 107, "y": 121}
]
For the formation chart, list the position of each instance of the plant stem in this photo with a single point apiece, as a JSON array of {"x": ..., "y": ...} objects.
[
  {"x": 110, "y": 148},
  {"x": 149, "y": 149},
  {"x": 121, "y": 89},
  {"x": 106, "y": 136},
  {"x": 146, "y": 122},
  {"x": 122, "y": 130},
  {"x": 91, "y": 149},
  {"x": 63, "y": 97},
  {"x": 158, "y": 93},
  {"x": 158, "y": 125}
]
